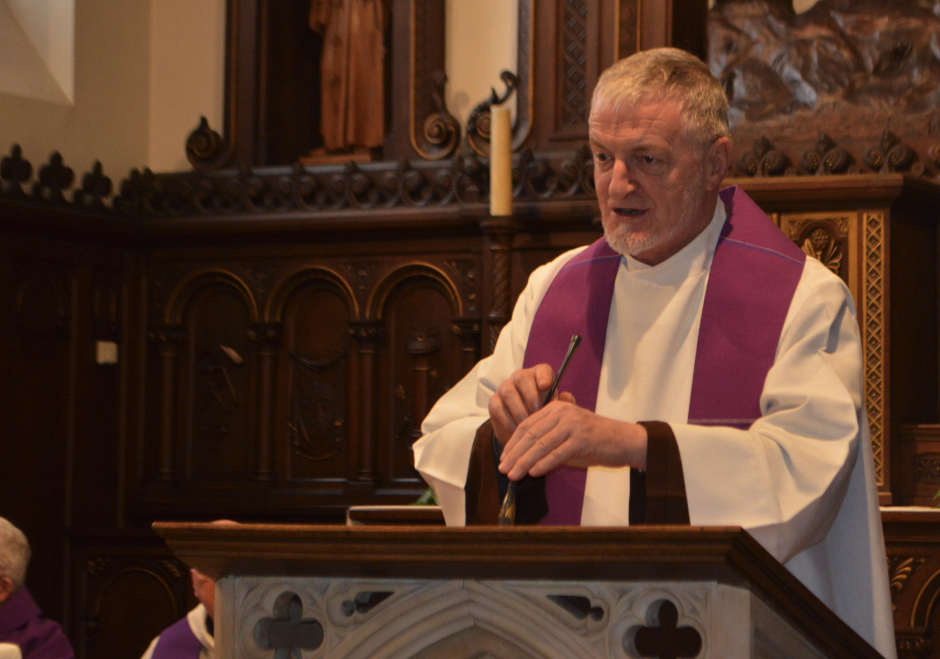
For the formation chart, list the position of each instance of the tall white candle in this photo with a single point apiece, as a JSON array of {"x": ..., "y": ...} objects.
[{"x": 500, "y": 161}]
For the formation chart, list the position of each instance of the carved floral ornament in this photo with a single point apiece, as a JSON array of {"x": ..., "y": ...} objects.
[{"x": 537, "y": 177}]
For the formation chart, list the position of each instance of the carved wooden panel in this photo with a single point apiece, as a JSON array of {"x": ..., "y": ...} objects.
[
  {"x": 572, "y": 42},
  {"x": 841, "y": 88},
  {"x": 316, "y": 367},
  {"x": 853, "y": 246},
  {"x": 125, "y": 598},
  {"x": 216, "y": 386},
  {"x": 421, "y": 359},
  {"x": 913, "y": 546}
]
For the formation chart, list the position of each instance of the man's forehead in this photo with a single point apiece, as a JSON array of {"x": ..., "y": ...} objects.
[{"x": 625, "y": 106}]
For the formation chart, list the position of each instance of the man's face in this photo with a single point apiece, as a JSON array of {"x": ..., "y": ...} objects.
[{"x": 652, "y": 183}]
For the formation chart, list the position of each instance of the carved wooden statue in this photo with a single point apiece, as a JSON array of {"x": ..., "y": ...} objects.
[{"x": 352, "y": 105}]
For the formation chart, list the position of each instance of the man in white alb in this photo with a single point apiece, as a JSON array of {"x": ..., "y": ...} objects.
[{"x": 720, "y": 377}]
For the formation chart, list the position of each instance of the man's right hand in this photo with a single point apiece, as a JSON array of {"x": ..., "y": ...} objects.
[{"x": 517, "y": 397}]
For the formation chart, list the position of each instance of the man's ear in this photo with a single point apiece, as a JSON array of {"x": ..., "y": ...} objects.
[
  {"x": 6, "y": 589},
  {"x": 717, "y": 163}
]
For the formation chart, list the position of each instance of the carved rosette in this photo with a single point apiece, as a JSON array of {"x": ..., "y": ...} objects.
[{"x": 824, "y": 239}]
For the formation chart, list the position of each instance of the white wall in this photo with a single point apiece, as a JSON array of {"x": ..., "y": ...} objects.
[
  {"x": 187, "y": 70},
  {"x": 145, "y": 70},
  {"x": 481, "y": 43},
  {"x": 108, "y": 119}
]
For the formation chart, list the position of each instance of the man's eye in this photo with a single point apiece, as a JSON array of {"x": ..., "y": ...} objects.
[
  {"x": 601, "y": 157},
  {"x": 649, "y": 160}
]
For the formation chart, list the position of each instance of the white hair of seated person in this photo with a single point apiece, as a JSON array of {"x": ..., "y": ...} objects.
[
  {"x": 10, "y": 651},
  {"x": 14, "y": 559}
]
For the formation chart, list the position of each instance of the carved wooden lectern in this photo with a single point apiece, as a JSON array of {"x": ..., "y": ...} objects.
[{"x": 504, "y": 593}]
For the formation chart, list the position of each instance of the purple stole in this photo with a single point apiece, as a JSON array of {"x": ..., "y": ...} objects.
[
  {"x": 37, "y": 638},
  {"x": 753, "y": 277},
  {"x": 177, "y": 642}
]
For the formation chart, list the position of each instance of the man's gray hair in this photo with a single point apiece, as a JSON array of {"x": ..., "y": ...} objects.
[
  {"x": 669, "y": 72},
  {"x": 14, "y": 554}
]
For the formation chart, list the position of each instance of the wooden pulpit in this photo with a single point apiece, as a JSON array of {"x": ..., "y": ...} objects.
[{"x": 379, "y": 592}]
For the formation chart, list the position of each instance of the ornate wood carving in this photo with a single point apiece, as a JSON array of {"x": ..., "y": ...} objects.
[
  {"x": 268, "y": 337},
  {"x": 317, "y": 416},
  {"x": 478, "y": 124},
  {"x": 168, "y": 339},
  {"x": 441, "y": 134},
  {"x": 499, "y": 234},
  {"x": 53, "y": 180},
  {"x": 159, "y": 585},
  {"x": 791, "y": 78},
  {"x": 574, "y": 74},
  {"x": 827, "y": 158},
  {"x": 15, "y": 171},
  {"x": 368, "y": 334},
  {"x": 875, "y": 333},
  {"x": 572, "y": 42},
  {"x": 900, "y": 570}
]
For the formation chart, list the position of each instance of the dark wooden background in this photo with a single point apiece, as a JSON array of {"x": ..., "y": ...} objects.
[{"x": 282, "y": 330}]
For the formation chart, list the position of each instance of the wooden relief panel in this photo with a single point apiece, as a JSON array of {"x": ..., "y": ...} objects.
[
  {"x": 127, "y": 601},
  {"x": 852, "y": 246},
  {"x": 841, "y": 88},
  {"x": 573, "y": 41},
  {"x": 420, "y": 361},
  {"x": 316, "y": 367},
  {"x": 215, "y": 385}
]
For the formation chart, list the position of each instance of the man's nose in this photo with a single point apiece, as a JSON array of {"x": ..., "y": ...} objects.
[{"x": 621, "y": 181}]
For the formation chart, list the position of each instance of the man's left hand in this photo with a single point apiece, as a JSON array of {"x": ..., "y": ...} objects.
[{"x": 563, "y": 433}]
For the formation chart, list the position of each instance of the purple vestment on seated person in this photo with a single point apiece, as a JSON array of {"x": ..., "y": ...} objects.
[
  {"x": 177, "y": 642},
  {"x": 37, "y": 637}
]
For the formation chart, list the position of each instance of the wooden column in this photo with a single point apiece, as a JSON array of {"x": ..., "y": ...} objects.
[
  {"x": 468, "y": 329},
  {"x": 499, "y": 234},
  {"x": 268, "y": 338},
  {"x": 169, "y": 339},
  {"x": 368, "y": 335}
]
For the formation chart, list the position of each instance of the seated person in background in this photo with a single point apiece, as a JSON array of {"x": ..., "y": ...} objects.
[
  {"x": 20, "y": 623},
  {"x": 191, "y": 637},
  {"x": 719, "y": 381}
]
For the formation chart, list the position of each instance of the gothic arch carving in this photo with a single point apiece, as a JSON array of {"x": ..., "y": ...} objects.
[
  {"x": 379, "y": 296},
  {"x": 926, "y": 600},
  {"x": 274, "y": 308},
  {"x": 185, "y": 290}
]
